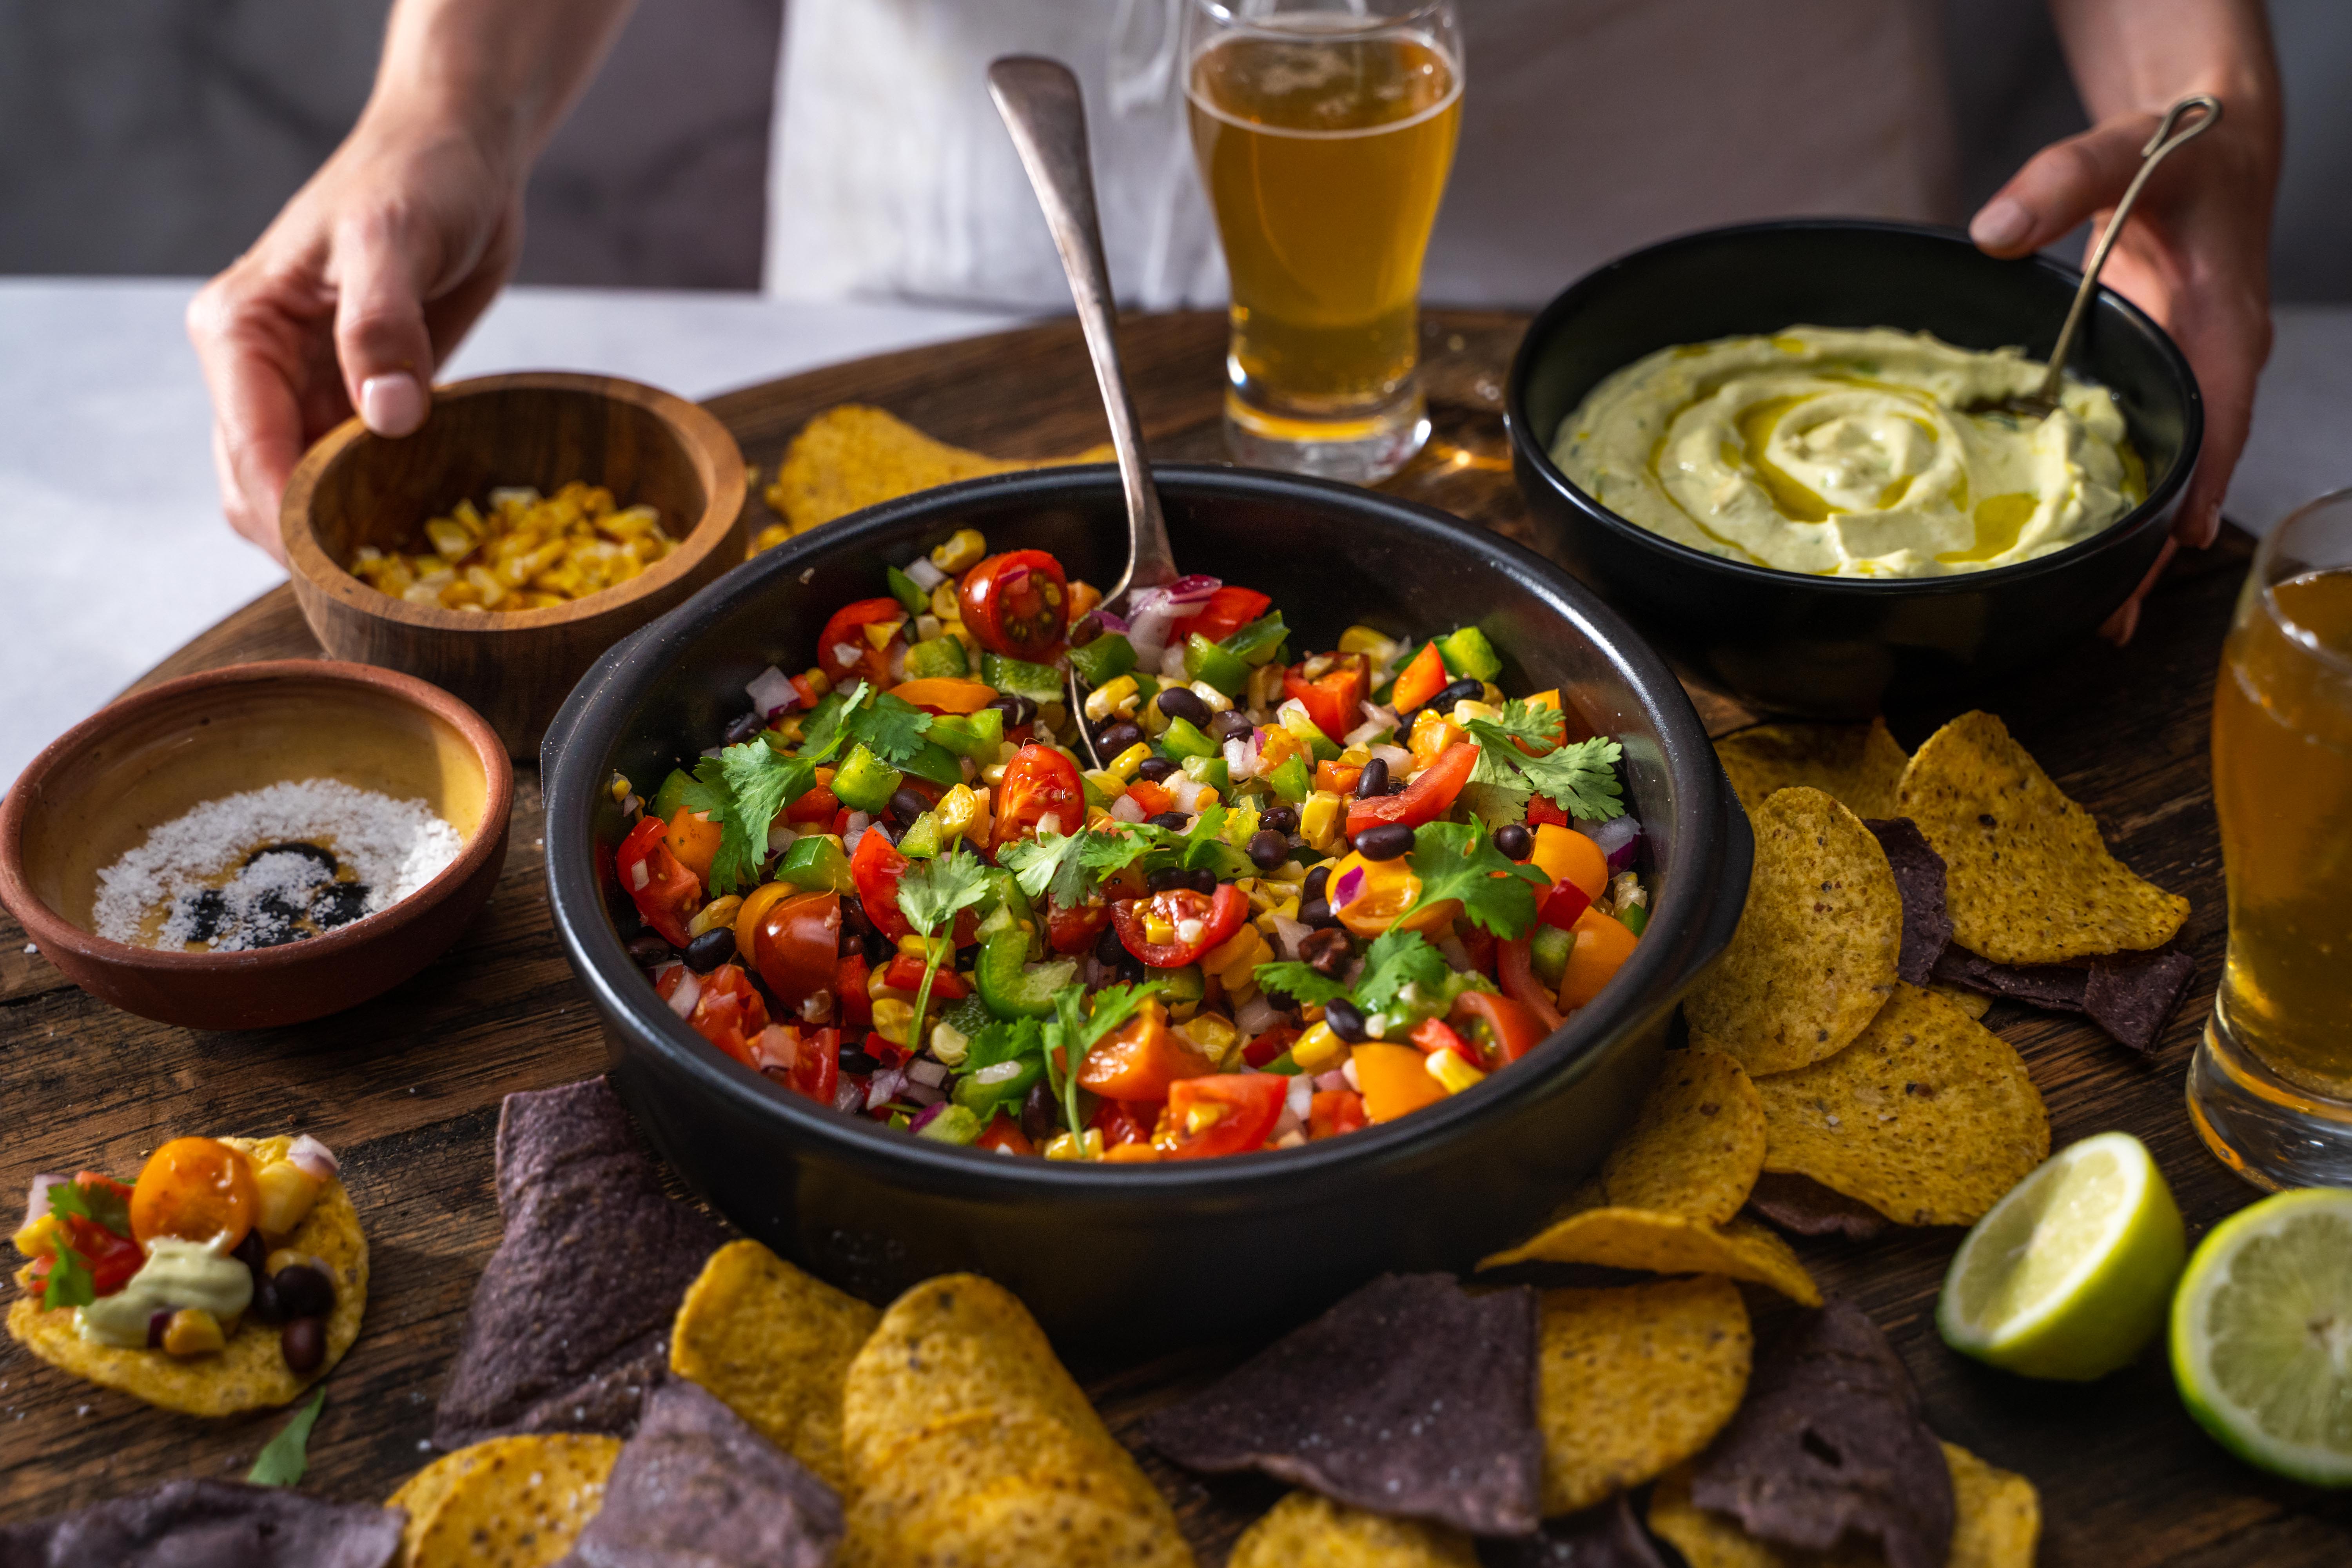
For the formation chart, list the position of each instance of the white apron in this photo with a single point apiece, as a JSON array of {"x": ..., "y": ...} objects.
[{"x": 1589, "y": 127}]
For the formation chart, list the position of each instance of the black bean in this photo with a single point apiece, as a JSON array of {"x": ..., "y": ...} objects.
[
  {"x": 852, "y": 1059},
  {"x": 745, "y": 726},
  {"x": 1131, "y": 968},
  {"x": 1108, "y": 949},
  {"x": 265, "y": 1306},
  {"x": 1345, "y": 1020},
  {"x": 1514, "y": 842},
  {"x": 304, "y": 1342},
  {"x": 1317, "y": 913},
  {"x": 1088, "y": 628},
  {"x": 1268, "y": 849},
  {"x": 1116, "y": 736},
  {"x": 879, "y": 949},
  {"x": 1178, "y": 702},
  {"x": 1174, "y": 821},
  {"x": 853, "y": 917},
  {"x": 1317, "y": 879},
  {"x": 157, "y": 1323},
  {"x": 1017, "y": 710},
  {"x": 1281, "y": 1000},
  {"x": 253, "y": 1252},
  {"x": 1463, "y": 690},
  {"x": 1203, "y": 879},
  {"x": 1374, "y": 780},
  {"x": 1040, "y": 1116},
  {"x": 1231, "y": 724},
  {"x": 303, "y": 1291},
  {"x": 1155, "y": 769},
  {"x": 908, "y": 805},
  {"x": 711, "y": 949},
  {"x": 1282, "y": 819},
  {"x": 1385, "y": 842},
  {"x": 1327, "y": 953},
  {"x": 649, "y": 950},
  {"x": 1167, "y": 877}
]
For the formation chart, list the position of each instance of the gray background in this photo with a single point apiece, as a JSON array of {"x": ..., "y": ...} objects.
[{"x": 159, "y": 136}]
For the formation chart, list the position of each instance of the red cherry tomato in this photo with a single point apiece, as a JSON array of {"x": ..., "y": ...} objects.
[
  {"x": 1194, "y": 922},
  {"x": 817, "y": 805},
  {"x": 728, "y": 1012},
  {"x": 1075, "y": 931},
  {"x": 1335, "y": 698},
  {"x": 1332, "y": 1111},
  {"x": 847, "y": 631},
  {"x": 796, "y": 949},
  {"x": 851, "y": 1004},
  {"x": 1428, "y": 798},
  {"x": 1122, "y": 1124},
  {"x": 1500, "y": 1030},
  {"x": 1039, "y": 781},
  {"x": 876, "y": 868},
  {"x": 806, "y": 1061},
  {"x": 1223, "y": 1113},
  {"x": 1003, "y": 1136},
  {"x": 1227, "y": 612},
  {"x": 657, "y": 881},
  {"x": 1017, "y": 605}
]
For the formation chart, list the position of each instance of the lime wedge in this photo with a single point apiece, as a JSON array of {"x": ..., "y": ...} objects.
[
  {"x": 2261, "y": 1335},
  {"x": 2069, "y": 1274}
]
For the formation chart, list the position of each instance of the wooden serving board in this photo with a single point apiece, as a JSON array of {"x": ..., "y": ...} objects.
[{"x": 406, "y": 1089}]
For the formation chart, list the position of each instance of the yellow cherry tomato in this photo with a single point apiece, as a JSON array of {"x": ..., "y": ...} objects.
[
  {"x": 1385, "y": 890},
  {"x": 194, "y": 1189}
]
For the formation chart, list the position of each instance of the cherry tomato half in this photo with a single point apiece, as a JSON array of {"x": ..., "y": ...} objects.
[
  {"x": 1227, "y": 612},
  {"x": 111, "y": 1259},
  {"x": 1017, "y": 605},
  {"x": 1075, "y": 931},
  {"x": 806, "y": 1061},
  {"x": 195, "y": 1189},
  {"x": 796, "y": 948},
  {"x": 846, "y": 633},
  {"x": 1335, "y": 698},
  {"x": 876, "y": 868},
  {"x": 1142, "y": 1058},
  {"x": 729, "y": 1011},
  {"x": 1172, "y": 928},
  {"x": 1428, "y": 798},
  {"x": 1039, "y": 781},
  {"x": 1498, "y": 1028},
  {"x": 1223, "y": 1113},
  {"x": 665, "y": 891}
]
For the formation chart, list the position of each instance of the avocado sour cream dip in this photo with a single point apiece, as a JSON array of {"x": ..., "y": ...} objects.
[
  {"x": 1848, "y": 452},
  {"x": 176, "y": 1274}
]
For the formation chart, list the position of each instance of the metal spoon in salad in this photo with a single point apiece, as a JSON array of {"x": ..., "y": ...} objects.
[{"x": 1041, "y": 105}]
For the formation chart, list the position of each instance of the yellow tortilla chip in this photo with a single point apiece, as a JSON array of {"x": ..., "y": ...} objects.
[
  {"x": 1975, "y": 1004},
  {"x": 1997, "y": 1514},
  {"x": 1632, "y": 1380},
  {"x": 249, "y": 1372},
  {"x": 1929, "y": 1117},
  {"x": 514, "y": 1502},
  {"x": 953, "y": 1346},
  {"x": 853, "y": 456},
  {"x": 1996, "y": 1523},
  {"x": 2027, "y": 879},
  {"x": 421, "y": 1493},
  {"x": 1304, "y": 1528},
  {"x": 1856, "y": 764},
  {"x": 776, "y": 1345},
  {"x": 1716, "y": 1541},
  {"x": 1668, "y": 1244},
  {"x": 1697, "y": 1145}
]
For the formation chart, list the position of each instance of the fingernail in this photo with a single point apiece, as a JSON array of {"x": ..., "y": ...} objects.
[
  {"x": 2003, "y": 222},
  {"x": 392, "y": 405}
]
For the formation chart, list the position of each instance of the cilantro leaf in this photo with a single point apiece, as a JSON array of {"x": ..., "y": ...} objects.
[
  {"x": 891, "y": 728},
  {"x": 1300, "y": 982},
  {"x": 69, "y": 1283},
  {"x": 1119, "y": 849},
  {"x": 1455, "y": 860},
  {"x": 100, "y": 1204},
  {"x": 1495, "y": 804},
  {"x": 1051, "y": 863},
  {"x": 932, "y": 893},
  {"x": 1581, "y": 779},
  {"x": 1004, "y": 1041},
  {"x": 1074, "y": 1030},
  {"x": 741, "y": 789},
  {"x": 285, "y": 1457},
  {"x": 823, "y": 733},
  {"x": 1206, "y": 846},
  {"x": 1523, "y": 720},
  {"x": 1395, "y": 959}
]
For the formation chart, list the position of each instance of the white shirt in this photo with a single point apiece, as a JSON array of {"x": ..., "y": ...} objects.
[{"x": 1589, "y": 127}]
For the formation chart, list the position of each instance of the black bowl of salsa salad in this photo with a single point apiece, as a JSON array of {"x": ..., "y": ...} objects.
[{"x": 1351, "y": 955}]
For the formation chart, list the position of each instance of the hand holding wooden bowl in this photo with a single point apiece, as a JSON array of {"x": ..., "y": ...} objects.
[{"x": 545, "y": 429}]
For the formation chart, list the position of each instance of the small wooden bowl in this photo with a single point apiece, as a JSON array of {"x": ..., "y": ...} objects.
[
  {"x": 545, "y": 429},
  {"x": 103, "y": 786}
]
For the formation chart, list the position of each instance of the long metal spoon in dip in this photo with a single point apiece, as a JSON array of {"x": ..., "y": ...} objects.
[{"x": 1041, "y": 105}]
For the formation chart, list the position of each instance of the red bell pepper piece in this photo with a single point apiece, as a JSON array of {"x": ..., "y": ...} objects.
[
  {"x": 1562, "y": 904},
  {"x": 1332, "y": 1111},
  {"x": 876, "y": 868}
]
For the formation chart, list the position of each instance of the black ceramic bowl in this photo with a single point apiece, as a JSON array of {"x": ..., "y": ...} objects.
[
  {"x": 1113, "y": 1255},
  {"x": 1835, "y": 647}
]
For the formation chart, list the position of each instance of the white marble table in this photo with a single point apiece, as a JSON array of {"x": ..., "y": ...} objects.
[{"x": 113, "y": 554}]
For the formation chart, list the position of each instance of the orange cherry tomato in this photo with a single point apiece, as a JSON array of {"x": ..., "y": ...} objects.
[
  {"x": 195, "y": 1189},
  {"x": 1394, "y": 1081},
  {"x": 693, "y": 839},
  {"x": 1223, "y": 1113},
  {"x": 1142, "y": 1058},
  {"x": 1039, "y": 781},
  {"x": 1017, "y": 603},
  {"x": 944, "y": 694},
  {"x": 1602, "y": 946},
  {"x": 796, "y": 947},
  {"x": 846, "y": 632}
]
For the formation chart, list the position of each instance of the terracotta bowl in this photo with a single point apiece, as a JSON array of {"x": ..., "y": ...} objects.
[
  {"x": 544, "y": 429},
  {"x": 100, "y": 787}
]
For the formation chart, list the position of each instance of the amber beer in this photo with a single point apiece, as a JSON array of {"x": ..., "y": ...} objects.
[
  {"x": 1325, "y": 156},
  {"x": 2283, "y": 786}
]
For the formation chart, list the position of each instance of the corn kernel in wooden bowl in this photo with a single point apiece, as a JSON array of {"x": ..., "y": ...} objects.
[{"x": 526, "y": 552}]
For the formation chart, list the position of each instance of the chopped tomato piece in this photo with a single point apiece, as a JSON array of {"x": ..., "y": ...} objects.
[
  {"x": 1334, "y": 699},
  {"x": 905, "y": 973},
  {"x": 657, "y": 881},
  {"x": 1039, "y": 783},
  {"x": 1075, "y": 931},
  {"x": 851, "y": 1004},
  {"x": 1562, "y": 905},
  {"x": 1394, "y": 1081},
  {"x": 1423, "y": 677},
  {"x": 1227, "y": 612},
  {"x": 1602, "y": 946},
  {"x": 1269, "y": 1046},
  {"x": 1017, "y": 603},
  {"x": 1152, "y": 797},
  {"x": 796, "y": 948},
  {"x": 1142, "y": 1058},
  {"x": 1172, "y": 928},
  {"x": 1514, "y": 970},
  {"x": 945, "y": 694},
  {"x": 1332, "y": 1111},
  {"x": 1542, "y": 812},
  {"x": 817, "y": 805},
  {"x": 807, "y": 1062},
  {"x": 111, "y": 1259},
  {"x": 1429, "y": 796},
  {"x": 843, "y": 650},
  {"x": 1499, "y": 1030},
  {"x": 729, "y": 1011},
  {"x": 1005, "y": 1135},
  {"x": 1222, "y": 1113},
  {"x": 1122, "y": 1124},
  {"x": 876, "y": 868},
  {"x": 1435, "y": 1035},
  {"x": 693, "y": 838}
]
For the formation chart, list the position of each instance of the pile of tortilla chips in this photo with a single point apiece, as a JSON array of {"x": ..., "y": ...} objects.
[{"x": 855, "y": 457}]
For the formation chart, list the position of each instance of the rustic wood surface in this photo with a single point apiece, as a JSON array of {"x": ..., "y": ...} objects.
[{"x": 407, "y": 1087}]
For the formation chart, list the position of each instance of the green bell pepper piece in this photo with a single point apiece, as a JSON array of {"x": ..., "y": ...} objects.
[
  {"x": 1183, "y": 740},
  {"x": 1093, "y": 791},
  {"x": 903, "y": 589},
  {"x": 1012, "y": 991},
  {"x": 934, "y": 764},
  {"x": 970, "y": 734},
  {"x": 1007, "y": 907},
  {"x": 817, "y": 864},
  {"x": 1468, "y": 654},
  {"x": 1633, "y": 918},
  {"x": 953, "y": 1124},
  {"x": 985, "y": 1099},
  {"x": 1210, "y": 771},
  {"x": 865, "y": 782},
  {"x": 1284, "y": 1065},
  {"x": 1104, "y": 659},
  {"x": 1548, "y": 951},
  {"x": 667, "y": 799},
  {"x": 922, "y": 837},
  {"x": 1260, "y": 641},
  {"x": 1037, "y": 682},
  {"x": 1211, "y": 662},
  {"x": 1178, "y": 987},
  {"x": 1291, "y": 782},
  {"x": 937, "y": 657}
]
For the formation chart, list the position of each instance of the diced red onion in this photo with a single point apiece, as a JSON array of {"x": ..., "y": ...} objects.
[
  {"x": 1618, "y": 838},
  {"x": 926, "y": 1116},
  {"x": 925, "y": 577},
  {"x": 925, "y": 1095},
  {"x": 1333, "y": 1081},
  {"x": 1397, "y": 757},
  {"x": 1171, "y": 662},
  {"x": 37, "y": 1202},
  {"x": 931, "y": 1075},
  {"x": 1184, "y": 790},
  {"x": 1376, "y": 719},
  {"x": 1287, "y": 1125},
  {"x": 1239, "y": 764},
  {"x": 1111, "y": 623},
  {"x": 887, "y": 1085},
  {"x": 1194, "y": 589},
  {"x": 777, "y": 1047},
  {"x": 1256, "y": 1016},
  {"x": 313, "y": 1158},
  {"x": 1347, "y": 1075},
  {"x": 688, "y": 991},
  {"x": 847, "y": 655},
  {"x": 1298, "y": 1099},
  {"x": 849, "y": 1094},
  {"x": 781, "y": 836},
  {"x": 771, "y": 693},
  {"x": 1351, "y": 883}
]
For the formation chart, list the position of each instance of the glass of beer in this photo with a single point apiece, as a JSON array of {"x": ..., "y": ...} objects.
[
  {"x": 1325, "y": 131},
  {"x": 2271, "y": 1087}
]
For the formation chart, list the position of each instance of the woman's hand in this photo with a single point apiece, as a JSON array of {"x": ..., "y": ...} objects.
[{"x": 349, "y": 300}]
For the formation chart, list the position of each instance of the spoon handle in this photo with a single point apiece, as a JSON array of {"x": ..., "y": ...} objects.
[
  {"x": 2169, "y": 135},
  {"x": 1039, "y": 101}
]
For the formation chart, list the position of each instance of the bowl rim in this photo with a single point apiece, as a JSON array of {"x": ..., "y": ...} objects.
[
  {"x": 708, "y": 442},
  {"x": 51, "y": 930},
  {"x": 580, "y": 732},
  {"x": 1534, "y": 454}
]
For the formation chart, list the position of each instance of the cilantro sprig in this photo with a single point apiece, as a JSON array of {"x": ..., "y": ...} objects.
[
  {"x": 932, "y": 893},
  {"x": 1075, "y": 1030},
  {"x": 1395, "y": 959},
  {"x": 1459, "y": 860},
  {"x": 1070, "y": 866},
  {"x": 70, "y": 1282},
  {"x": 1580, "y": 779}
]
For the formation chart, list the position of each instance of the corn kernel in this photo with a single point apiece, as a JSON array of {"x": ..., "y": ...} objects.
[
  {"x": 1117, "y": 697},
  {"x": 963, "y": 813},
  {"x": 1448, "y": 1069},
  {"x": 37, "y": 1237},
  {"x": 879, "y": 633},
  {"x": 1214, "y": 1034},
  {"x": 1238, "y": 950},
  {"x": 286, "y": 1191},
  {"x": 946, "y": 605},
  {"x": 193, "y": 1331},
  {"x": 1365, "y": 640},
  {"x": 1132, "y": 1155},
  {"x": 1071, "y": 1146},
  {"x": 1318, "y": 1049},
  {"x": 1125, "y": 765},
  {"x": 819, "y": 682},
  {"x": 962, "y": 553},
  {"x": 1492, "y": 694},
  {"x": 716, "y": 913},
  {"x": 1202, "y": 1116},
  {"x": 1214, "y": 701},
  {"x": 1320, "y": 820},
  {"x": 894, "y": 1020},
  {"x": 618, "y": 789},
  {"x": 1469, "y": 709}
]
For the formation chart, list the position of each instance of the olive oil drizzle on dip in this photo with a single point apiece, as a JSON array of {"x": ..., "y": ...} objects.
[{"x": 1851, "y": 452}]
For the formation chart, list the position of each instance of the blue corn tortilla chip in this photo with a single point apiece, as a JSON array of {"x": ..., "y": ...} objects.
[
  {"x": 2131, "y": 995},
  {"x": 1412, "y": 1397},
  {"x": 696, "y": 1486},
  {"x": 1830, "y": 1444},
  {"x": 570, "y": 1322},
  {"x": 1801, "y": 1204},
  {"x": 1607, "y": 1536},
  {"x": 1919, "y": 879},
  {"x": 192, "y": 1523}
]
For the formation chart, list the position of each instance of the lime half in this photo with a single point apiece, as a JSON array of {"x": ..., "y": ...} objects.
[
  {"x": 2261, "y": 1335},
  {"x": 2069, "y": 1274}
]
